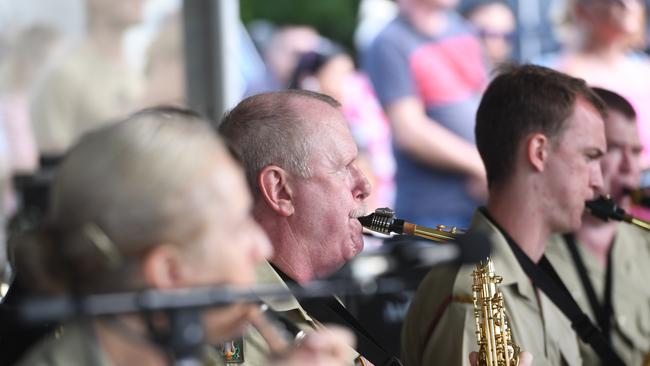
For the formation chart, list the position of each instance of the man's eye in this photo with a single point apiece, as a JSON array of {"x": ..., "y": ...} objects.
[{"x": 593, "y": 156}]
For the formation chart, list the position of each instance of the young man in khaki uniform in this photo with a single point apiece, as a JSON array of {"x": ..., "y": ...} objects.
[
  {"x": 605, "y": 264},
  {"x": 540, "y": 134}
]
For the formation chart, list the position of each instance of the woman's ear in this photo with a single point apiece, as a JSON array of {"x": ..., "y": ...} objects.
[
  {"x": 162, "y": 267},
  {"x": 537, "y": 147},
  {"x": 276, "y": 190}
]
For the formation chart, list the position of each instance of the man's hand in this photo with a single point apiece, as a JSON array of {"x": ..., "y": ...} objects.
[
  {"x": 329, "y": 347},
  {"x": 429, "y": 142}
]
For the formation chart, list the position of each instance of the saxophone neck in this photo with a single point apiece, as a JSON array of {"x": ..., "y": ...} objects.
[
  {"x": 385, "y": 221},
  {"x": 440, "y": 233}
]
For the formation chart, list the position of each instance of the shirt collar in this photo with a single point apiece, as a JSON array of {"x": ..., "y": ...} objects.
[
  {"x": 265, "y": 275},
  {"x": 504, "y": 260}
]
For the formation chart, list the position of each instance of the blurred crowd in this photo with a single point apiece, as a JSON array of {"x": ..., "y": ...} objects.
[
  {"x": 56, "y": 84},
  {"x": 409, "y": 90}
]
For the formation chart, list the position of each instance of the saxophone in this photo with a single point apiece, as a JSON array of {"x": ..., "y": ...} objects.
[
  {"x": 493, "y": 333},
  {"x": 384, "y": 221}
]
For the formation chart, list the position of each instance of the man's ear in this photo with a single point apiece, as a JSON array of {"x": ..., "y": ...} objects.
[
  {"x": 537, "y": 148},
  {"x": 276, "y": 190},
  {"x": 162, "y": 267}
]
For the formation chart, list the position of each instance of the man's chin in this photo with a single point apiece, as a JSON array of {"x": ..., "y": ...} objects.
[
  {"x": 355, "y": 248},
  {"x": 572, "y": 224},
  {"x": 575, "y": 223},
  {"x": 329, "y": 270}
]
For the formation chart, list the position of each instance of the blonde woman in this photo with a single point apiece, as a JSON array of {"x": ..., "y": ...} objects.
[{"x": 154, "y": 201}]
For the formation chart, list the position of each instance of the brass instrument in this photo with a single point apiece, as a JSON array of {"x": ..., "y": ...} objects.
[
  {"x": 384, "y": 221},
  {"x": 605, "y": 209},
  {"x": 493, "y": 333}
]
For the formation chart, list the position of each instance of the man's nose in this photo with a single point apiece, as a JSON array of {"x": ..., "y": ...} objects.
[
  {"x": 362, "y": 186},
  {"x": 628, "y": 163},
  {"x": 596, "y": 180}
]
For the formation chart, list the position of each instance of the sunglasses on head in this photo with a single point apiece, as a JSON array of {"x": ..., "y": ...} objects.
[{"x": 490, "y": 34}]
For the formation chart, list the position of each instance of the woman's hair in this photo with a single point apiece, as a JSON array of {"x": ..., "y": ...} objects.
[{"x": 119, "y": 192}]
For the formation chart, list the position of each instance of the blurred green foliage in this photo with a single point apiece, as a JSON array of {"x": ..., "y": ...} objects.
[{"x": 334, "y": 19}]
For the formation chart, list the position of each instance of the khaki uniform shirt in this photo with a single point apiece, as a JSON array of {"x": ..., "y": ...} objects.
[
  {"x": 81, "y": 91},
  {"x": 74, "y": 344},
  {"x": 630, "y": 290},
  {"x": 440, "y": 328},
  {"x": 256, "y": 351}
]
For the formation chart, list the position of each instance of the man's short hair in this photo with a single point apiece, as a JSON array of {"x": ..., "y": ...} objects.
[
  {"x": 269, "y": 128},
  {"x": 616, "y": 102},
  {"x": 521, "y": 100}
]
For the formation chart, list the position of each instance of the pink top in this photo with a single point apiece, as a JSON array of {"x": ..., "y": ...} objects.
[
  {"x": 631, "y": 79},
  {"x": 371, "y": 131}
]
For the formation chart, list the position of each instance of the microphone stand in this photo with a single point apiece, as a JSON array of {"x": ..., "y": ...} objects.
[
  {"x": 183, "y": 340},
  {"x": 181, "y": 337}
]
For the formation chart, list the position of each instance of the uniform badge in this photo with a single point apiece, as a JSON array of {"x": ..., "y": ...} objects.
[{"x": 233, "y": 351}]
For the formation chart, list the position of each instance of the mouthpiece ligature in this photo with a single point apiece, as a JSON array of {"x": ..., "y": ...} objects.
[{"x": 382, "y": 221}]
